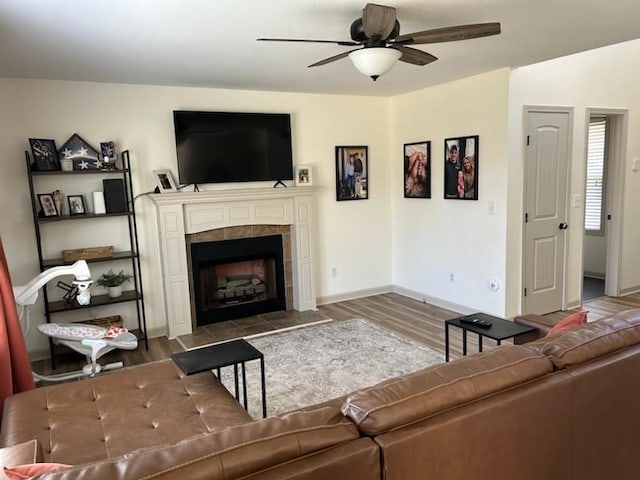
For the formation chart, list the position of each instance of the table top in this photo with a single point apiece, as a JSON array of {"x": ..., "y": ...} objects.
[
  {"x": 216, "y": 356},
  {"x": 500, "y": 329}
]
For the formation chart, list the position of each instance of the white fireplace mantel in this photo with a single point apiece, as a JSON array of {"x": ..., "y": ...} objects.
[{"x": 179, "y": 214}]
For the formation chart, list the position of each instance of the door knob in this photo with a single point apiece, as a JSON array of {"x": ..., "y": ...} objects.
[{"x": 563, "y": 226}]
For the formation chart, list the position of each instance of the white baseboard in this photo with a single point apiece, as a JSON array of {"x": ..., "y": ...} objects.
[
  {"x": 438, "y": 302},
  {"x": 39, "y": 354},
  {"x": 630, "y": 290},
  {"x": 596, "y": 275},
  {"x": 157, "y": 332},
  {"x": 342, "y": 297}
]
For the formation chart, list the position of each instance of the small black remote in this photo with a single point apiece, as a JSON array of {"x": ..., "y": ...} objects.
[{"x": 479, "y": 322}]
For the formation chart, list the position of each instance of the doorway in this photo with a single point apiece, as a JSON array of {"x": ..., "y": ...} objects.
[{"x": 605, "y": 144}]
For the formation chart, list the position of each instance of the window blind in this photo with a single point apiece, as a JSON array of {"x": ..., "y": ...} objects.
[{"x": 594, "y": 196}]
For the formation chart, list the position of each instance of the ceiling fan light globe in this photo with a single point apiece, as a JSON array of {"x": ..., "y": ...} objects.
[{"x": 374, "y": 62}]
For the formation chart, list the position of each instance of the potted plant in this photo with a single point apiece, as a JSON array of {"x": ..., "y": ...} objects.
[{"x": 113, "y": 281}]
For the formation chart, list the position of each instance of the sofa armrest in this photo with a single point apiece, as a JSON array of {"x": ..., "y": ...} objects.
[
  {"x": 540, "y": 323},
  {"x": 20, "y": 454}
]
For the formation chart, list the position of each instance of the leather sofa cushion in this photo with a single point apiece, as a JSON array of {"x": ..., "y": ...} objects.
[
  {"x": 592, "y": 340},
  {"x": 233, "y": 452},
  {"x": 399, "y": 402},
  {"x": 115, "y": 413}
]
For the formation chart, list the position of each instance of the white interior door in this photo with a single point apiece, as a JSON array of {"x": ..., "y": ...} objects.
[{"x": 546, "y": 161}]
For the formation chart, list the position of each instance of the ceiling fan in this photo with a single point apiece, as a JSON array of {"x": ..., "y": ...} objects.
[{"x": 377, "y": 32}]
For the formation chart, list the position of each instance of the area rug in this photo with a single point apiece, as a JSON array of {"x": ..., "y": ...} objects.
[{"x": 313, "y": 364}]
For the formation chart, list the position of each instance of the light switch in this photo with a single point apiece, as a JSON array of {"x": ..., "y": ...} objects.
[
  {"x": 576, "y": 201},
  {"x": 635, "y": 165},
  {"x": 492, "y": 207}
]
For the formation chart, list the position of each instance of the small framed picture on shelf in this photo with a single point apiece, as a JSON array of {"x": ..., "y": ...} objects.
[
  {"x": 304, "y": 175},
  {"x": 76, "y": 205},
  {"x": 108, "y": 154},
  {"x": 45, "y": 155},
  {"x": 47, "y": 205},
  {"x": 164, "y": 181}
]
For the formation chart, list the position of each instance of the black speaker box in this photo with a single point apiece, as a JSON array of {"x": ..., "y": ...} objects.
[{"x": 114, "y": 199}]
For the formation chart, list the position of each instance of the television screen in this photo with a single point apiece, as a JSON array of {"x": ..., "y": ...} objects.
[{"x": 217, "y": 147}]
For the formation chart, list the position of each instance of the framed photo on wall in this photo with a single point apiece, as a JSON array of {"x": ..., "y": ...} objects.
[
  {"x": 417, "y": 170},
  {"x": 352, "y": 173},
  {"x": 461, "y": 168},
  {"x": 304, "y": 175}
]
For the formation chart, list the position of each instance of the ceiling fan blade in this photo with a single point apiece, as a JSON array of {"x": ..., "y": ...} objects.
[
  {"x": 450, "y": 34},
  {"x": 415, "y": 56},
  {"x": 335, "y": 42},
  {"x": 332, "y": 59},
  {"x": 378, "y": 20}
]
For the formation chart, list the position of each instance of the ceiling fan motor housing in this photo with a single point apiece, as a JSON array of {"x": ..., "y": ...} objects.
[{"x": 358, "y": 35}]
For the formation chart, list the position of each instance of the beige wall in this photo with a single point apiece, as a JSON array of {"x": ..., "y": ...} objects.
[
  {"x": 352, "y": 237},
  {"x": 435, "y": 238},
  {"x": 605, "y": 78},
  {"x": 387, "y": 240}
]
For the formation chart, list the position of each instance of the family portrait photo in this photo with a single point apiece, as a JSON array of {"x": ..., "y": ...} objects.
[
  {"x": 417, "y": 170},
  {"x": 461, "y": 168},
  {"x": 352, "y": 173}
]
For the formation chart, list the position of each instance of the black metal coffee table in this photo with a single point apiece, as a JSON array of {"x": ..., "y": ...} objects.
[
  {"x": 236, "y": 352},
  {"x": 500, "y": 330}
]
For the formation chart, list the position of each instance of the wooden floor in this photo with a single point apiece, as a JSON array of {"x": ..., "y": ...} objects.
[{"x": 419, "y": 321}]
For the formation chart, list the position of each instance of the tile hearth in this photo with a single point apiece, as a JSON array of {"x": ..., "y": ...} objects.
[{"x": 257, "y": 324}]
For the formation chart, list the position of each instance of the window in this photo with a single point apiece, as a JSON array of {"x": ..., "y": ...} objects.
[{"x": 596, "y": 176}]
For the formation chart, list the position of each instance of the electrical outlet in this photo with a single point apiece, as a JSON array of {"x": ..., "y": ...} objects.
[
  {"x": 334, "y": 273},
  {"x": 452, "y": 277}
]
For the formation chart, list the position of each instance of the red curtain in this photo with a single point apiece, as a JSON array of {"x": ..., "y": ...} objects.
[{"x": 15, "y": 369}]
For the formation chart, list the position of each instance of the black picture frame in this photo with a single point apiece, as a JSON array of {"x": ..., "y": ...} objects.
[
  {"x": 47, "y": 205},
  {"x": 461, "y": 173},
  {"x": 108, "y": 149},
  {"x": 45, "y": 155},
  {"x": 417, "y": 169},
  {"x": 76, "y": 205},
  {"x": 352, "y": 173}
]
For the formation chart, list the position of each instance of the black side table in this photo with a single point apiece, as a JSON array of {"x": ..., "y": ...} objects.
[
  {"x": 500, "y": 330},
  {"x": 236, "y": 352}
]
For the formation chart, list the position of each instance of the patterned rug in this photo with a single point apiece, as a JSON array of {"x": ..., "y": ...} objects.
[{"x": 309, "y": 365}]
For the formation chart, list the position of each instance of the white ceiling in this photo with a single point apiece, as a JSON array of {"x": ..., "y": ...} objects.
[{"x": 213, "y": 42}]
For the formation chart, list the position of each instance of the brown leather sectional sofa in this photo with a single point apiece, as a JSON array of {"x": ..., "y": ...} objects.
[{"x": 562, "y": 407}]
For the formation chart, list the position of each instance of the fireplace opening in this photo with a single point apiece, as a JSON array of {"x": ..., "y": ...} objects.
[{"x": 237, "y": 278}]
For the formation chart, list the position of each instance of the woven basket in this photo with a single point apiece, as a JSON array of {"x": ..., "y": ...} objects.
[{"x": 87, "y": 253}]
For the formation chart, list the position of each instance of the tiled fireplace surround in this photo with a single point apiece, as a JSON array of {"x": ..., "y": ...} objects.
[{"x": 185, "y": 218}]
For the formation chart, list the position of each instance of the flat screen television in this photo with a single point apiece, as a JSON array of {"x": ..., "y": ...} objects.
[{"x": 218, "y": 147}]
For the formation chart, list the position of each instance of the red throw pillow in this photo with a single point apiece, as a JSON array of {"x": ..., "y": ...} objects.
[
  {"x": 570, "y": 322},
  {"x": 22, "y": 472}
]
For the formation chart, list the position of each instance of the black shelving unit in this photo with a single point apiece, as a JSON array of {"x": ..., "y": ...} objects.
[{"x": 39, "y": 223}]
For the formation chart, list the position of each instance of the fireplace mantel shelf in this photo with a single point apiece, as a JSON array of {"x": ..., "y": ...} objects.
[
  {"x": 182, "y": 213},
  {"x": 243, "y": 194}
]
